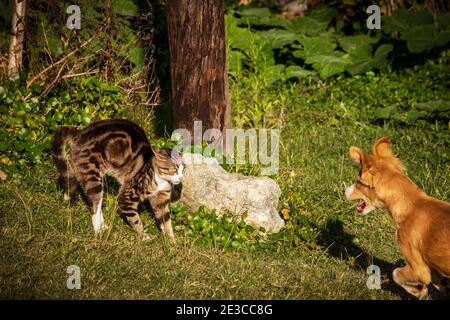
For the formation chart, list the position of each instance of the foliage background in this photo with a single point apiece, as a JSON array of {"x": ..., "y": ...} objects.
[{"x": 320, "y": 77}]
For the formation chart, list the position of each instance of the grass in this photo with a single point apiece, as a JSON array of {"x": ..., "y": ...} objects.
[{"x": 41, "y": 235}]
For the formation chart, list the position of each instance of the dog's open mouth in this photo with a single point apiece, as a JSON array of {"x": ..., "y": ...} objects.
[{"x": 361, "y": 206}]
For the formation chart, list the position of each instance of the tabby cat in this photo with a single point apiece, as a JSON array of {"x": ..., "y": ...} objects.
[{"x": 119, "y": 148}]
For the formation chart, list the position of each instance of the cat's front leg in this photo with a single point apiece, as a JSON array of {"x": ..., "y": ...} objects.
[
  {"x": 160, "y": 204},
  {"x": 128, "y": 203}
]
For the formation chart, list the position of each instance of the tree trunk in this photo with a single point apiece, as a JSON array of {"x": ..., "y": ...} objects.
[
  {"x": 198, "y": 70},
  {"x": 17, "y": 36}
]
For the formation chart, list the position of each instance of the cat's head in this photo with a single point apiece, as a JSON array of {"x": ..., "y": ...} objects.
[{"x": 168, "y": 164}]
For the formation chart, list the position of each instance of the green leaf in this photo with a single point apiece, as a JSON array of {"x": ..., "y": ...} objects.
[
  {"x": 65, "y": 97},
  {"x": 55, "y": 45},
  {"x": 383, "y": 51},
  {"x": 434, "y": 106},
  {"x": 328, "y": 64},
  {"x": 238, "y": 38},
  {"x": 124, "y": 7},
  {"x": 323, "y": 14},
  {"x": 269, "y": 21},
  {"x": 259, "y": 12},
  {"x": 421, "y": 38},
  {"x": 362, "y": 60},
  {"x": 385, "y": 113},
  {"x": 403, "y": 20},
  {"x": 278, "y": 38},
  {"x": 306, "y": 26},
  {"x": 443, "y": 38},
  {"x": 297, "y": 72},
  {"x": 444, "y": 21},
  {"x": 351, "y": 43},
  {"x": 235, "y": 61},
  {"x": 316, "y": 46},
  {"x": 413, "y": 115},
  {"x": 275, "y": 73},
  {"x": 136, "y": 55}
]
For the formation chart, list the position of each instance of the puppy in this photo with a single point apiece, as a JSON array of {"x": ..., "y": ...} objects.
[{"x": 422, "y": 222}]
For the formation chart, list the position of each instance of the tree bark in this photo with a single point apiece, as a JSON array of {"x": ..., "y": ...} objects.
[
  {"x": 17, "y": 36},
  {"x": 198, "y": 70}
]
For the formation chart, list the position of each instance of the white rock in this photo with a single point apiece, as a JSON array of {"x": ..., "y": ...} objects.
[{"x": 207, "y": 183}]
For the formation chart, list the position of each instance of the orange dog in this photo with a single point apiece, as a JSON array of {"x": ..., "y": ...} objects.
[{"x": 422, "y": 222}]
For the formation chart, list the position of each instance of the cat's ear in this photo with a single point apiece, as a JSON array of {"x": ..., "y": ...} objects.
[
  {"x": 156, "y": 151},
  {"x": 176, "y": 155}
]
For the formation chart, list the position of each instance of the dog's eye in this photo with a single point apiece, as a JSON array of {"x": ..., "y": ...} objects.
[{"x": 359, "y": 181}]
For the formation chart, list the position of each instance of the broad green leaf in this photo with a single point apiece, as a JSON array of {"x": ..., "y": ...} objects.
[
  {"x": 297, "y": 72},
  {"x": 306, "y": 26},
  {"x": 361, "y": 66},
  {"x": 434, "y": 106},
  {"x": 275, "y": 73},
  {"x": 385, "y": 113},
  {"x": 443, "y": 38},
  {"x": 383, "y": 51},
  {"x": 238, "y": 38},
  {"x": 136, "y": 55},
  {"x": 55, "y": 45},
  {"x": 270, "y": 21},
  {"x": 362, "y": 52},
  {"x": 413, "y": 115},
  {"x": 235, "y": 61},
  {"x": 278, "y": 38},
  {"x": 404, "y": 20},
  {"x": 328, "y": 64},
  {"x": 259, "y": 12},
  {"x": 444, "y": 22},
  {"x": 362, "y": 60},
  {"x": 426, "y": 37},
  {"x": 323, "y": 14},
  {"x": 350, "y": 43},
  {"x": 124, "y": 7},
  {"x": 316, "y": 46}
]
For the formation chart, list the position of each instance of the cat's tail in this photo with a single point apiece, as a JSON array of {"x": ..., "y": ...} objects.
[{"x": 61, "y": 137}]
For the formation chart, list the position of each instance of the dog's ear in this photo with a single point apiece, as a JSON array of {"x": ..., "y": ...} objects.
[
  {"x": 358, "y": 155},
  {"x": 382, "y": 150}
]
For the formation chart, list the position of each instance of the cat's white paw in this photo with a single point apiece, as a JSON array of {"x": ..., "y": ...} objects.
[{"x": 147, "y": 237}]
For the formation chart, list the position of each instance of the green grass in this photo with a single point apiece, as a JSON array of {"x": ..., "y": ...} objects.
[{"x": 41, "y": 235}]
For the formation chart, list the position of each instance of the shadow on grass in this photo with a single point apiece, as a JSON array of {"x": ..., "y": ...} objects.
[{"x": 339, "y": 244}]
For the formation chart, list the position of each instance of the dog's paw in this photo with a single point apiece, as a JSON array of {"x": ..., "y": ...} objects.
[{"x": 420, "y": 292}]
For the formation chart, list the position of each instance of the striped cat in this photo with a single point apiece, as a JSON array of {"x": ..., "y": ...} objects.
[{"x": 119, "y": 148}]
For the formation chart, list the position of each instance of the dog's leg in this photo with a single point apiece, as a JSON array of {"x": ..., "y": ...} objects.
[
  {"x": 441, "y": 282},
  {"x": 416, "y": 275},
  {"x": 411, "y": 282}
]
